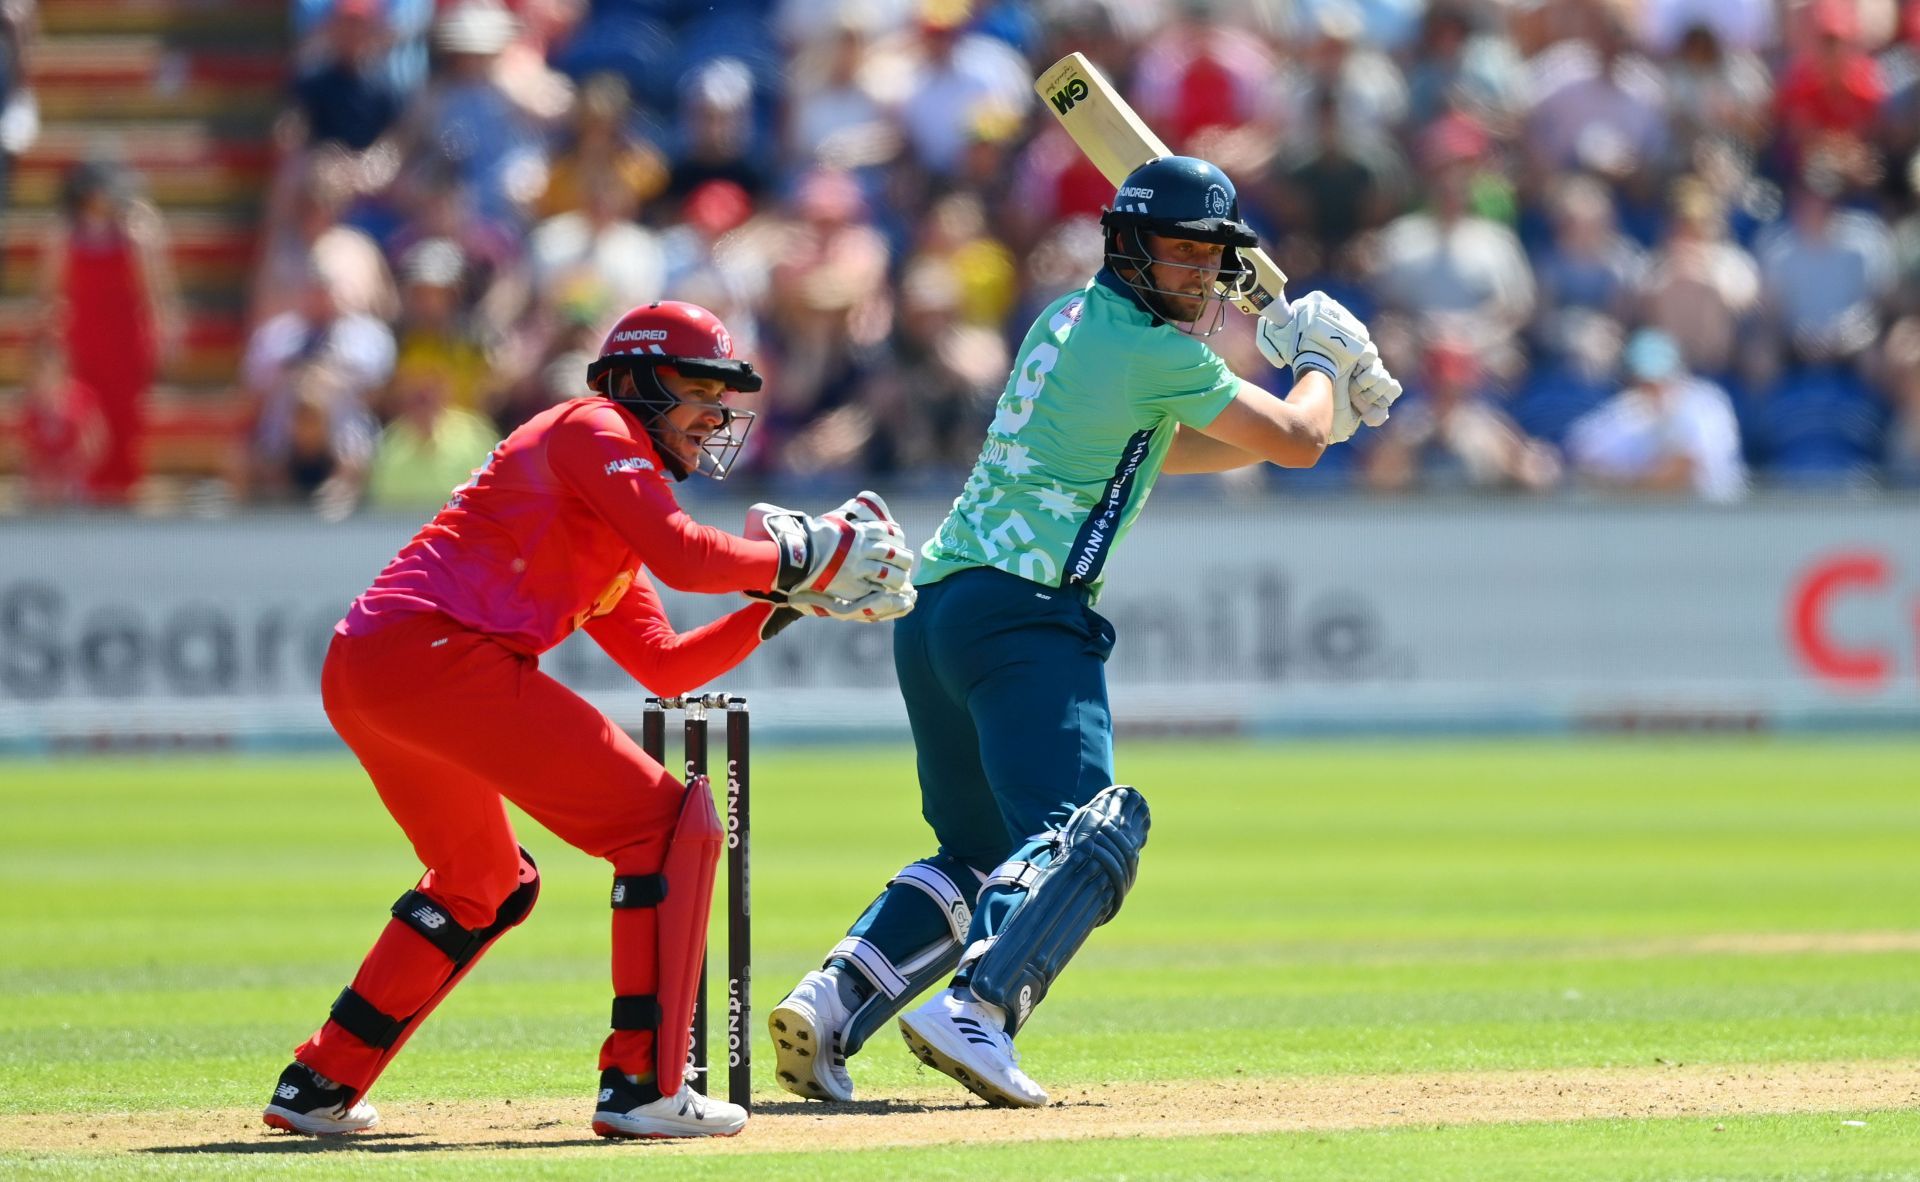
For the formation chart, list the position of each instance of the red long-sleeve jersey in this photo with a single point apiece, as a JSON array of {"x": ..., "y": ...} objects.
[{"x": 551, "y": 534}]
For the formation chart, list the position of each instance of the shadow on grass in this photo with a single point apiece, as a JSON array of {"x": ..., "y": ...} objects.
[
  {"x": 399, "y": 1142},
  {"x": 814, "y": 1108},
  {"x": 370, "y": 1143}
]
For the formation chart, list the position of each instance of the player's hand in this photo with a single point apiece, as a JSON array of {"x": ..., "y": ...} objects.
[
  {"x": 872, "y": 608},
  {"x": 863, "y": 506},
  {"x": 781, "y": 616},
  {"x": 1372, "y": 392},
  {"x": 1320, "y": 335},
  {"x": 833, "y": 556}
]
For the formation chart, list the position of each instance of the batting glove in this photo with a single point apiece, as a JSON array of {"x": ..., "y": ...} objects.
[{"x": 1321, "y": 335}]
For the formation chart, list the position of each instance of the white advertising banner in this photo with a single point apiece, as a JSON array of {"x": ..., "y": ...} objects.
[{"x": 1295, "y": 616}]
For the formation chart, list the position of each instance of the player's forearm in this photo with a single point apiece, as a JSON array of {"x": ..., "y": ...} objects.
[
  {"x": 1194, "y": 452},
  {"x": 1291, "y": 432},
  {"x": 672, "y": 663}
]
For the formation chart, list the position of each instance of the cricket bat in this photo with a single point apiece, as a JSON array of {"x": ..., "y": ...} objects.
[{"x": 1115, "y": 139}]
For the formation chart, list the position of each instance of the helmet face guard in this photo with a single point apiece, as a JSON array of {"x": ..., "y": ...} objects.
[
  {"x": 633, "y": 381},
  {"x": 1187, "y": 198},
  {"x": 1131, "y": 260}
]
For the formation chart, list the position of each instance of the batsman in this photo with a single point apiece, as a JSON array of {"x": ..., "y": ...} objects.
[
  {"x": 1002, "y": 664},
  {"x": 433, "y": 679}
]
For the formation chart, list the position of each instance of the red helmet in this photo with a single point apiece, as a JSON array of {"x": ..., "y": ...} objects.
[{"x": 694, "y": 342}]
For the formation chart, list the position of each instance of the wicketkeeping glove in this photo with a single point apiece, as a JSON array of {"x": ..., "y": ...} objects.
[{"x": 849, "y": 564}]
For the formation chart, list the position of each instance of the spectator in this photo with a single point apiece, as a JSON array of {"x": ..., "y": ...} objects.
[
  {"x": 1448, "y": 435},
  {"x": 1700, "y": 288},
  {"x": 1201, "y": 75},
  {"x": 692, "y": 248},
  {"x": 1827, "y": 272},
  {"x": 718, "y": 141},
  {"x": 959, "y": 73},
  {"x": 436, "y": 346},
  {"x": 430, "y": 446},
  {"x": 602, "y": 144},
  {"x": 598, "y": 250},
  {"x": 1740, "y": 26},
  {"x": 829, "y": 302},
  {"x": 1372, "y": 93},
  {"x": 835, "y": 117},
  {"x": 955, "y": 234},
  {"x": 1392, "y": 25},
  {"x": 1336, "y": 184},
  {"x": 63, "y": 430},
  {"x": 1460, "y": 64},
  {"x": 439, "y": 204},
  {"x": 348, "y": 97},
  {"x": 1590, "y": 263},
  {"x": 1599, "y": 106},
  {"x": 468, "y": 120},
  {"x": 403, "y": 26},
  {"x": 322, "y": 462},
  {"x": 1668, "y": 432},
  {"x": 19, "y": 110},
  {"x": 1448, "y": 261},
  {"x": 1830, "y": 95},
  {"x": 943, "y": 375},
  {"x": 312, "y": 360},
  {"x": 312, "y": 235},
  {"x": 1717, "y": 93},
  {"x": 107, "y": 286}
]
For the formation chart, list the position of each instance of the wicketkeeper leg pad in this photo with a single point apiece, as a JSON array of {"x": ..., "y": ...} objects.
[
  {"x": 462, "y": 947},
  {"x": 901, "y": 946},
  {"x": 1072, "y": 885},
  {"x": 682, "y": 898}
]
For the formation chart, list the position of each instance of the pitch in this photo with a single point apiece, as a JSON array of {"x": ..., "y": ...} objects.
[{"x": 1555, "y": 960}]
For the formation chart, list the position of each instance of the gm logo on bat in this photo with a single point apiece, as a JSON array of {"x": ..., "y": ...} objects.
[{"x": 1071, "y": 93}]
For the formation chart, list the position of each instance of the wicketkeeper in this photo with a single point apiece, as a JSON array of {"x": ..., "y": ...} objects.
[
  {"x": 1003, "y": 663},
  {"x": 434, "y": 680}
]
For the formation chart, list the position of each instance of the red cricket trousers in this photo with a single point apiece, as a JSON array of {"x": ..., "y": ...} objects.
[{"x": 450, "y": 725}]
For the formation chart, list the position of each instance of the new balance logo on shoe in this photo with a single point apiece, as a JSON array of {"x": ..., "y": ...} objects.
[
  {"x": 286, "y": 1091},
  {"x": 606, "y": 1094}
]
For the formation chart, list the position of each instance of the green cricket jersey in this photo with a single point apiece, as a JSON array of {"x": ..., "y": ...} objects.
[{"x": 1077, "y": 440}]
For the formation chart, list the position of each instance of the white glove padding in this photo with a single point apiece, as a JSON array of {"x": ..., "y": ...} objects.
[
  {"x": 1362, "y": 401},
  {"x": 835, "y": 556},
  {"x": 1321, "y": 334},
  {"x": 865, "y": 505},
  {"x": 1372, "y": 392},
  {"x": 871, "y": 608}
]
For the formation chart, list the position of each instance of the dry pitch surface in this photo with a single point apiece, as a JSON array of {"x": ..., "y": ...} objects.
[{"x": 931, "y": 1117}]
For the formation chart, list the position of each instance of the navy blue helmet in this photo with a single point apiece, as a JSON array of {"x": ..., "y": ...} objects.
[{"x": 1177, "y": 197}]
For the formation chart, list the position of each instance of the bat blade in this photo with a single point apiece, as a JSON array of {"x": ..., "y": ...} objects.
[{"x": 1113, "y": 136}]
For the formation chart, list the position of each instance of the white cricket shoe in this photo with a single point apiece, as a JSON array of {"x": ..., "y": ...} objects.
[
  {"x": 626, "y": 1110},
  {"x": 957, "y": 1033},
  {"x": 809, "y": 1032},
  {"x": 304, "y": 1101}
]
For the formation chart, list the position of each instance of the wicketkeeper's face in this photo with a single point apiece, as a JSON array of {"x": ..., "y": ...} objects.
[
  {"x": 1184, "y": 272},
  {"x": 697, "y": 413}
]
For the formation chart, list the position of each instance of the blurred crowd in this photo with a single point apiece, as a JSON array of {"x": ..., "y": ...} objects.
[{"x": 1671, "y": 245}]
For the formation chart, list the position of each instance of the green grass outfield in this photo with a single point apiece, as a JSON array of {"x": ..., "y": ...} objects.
[{"x": 170, "y": 928}]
